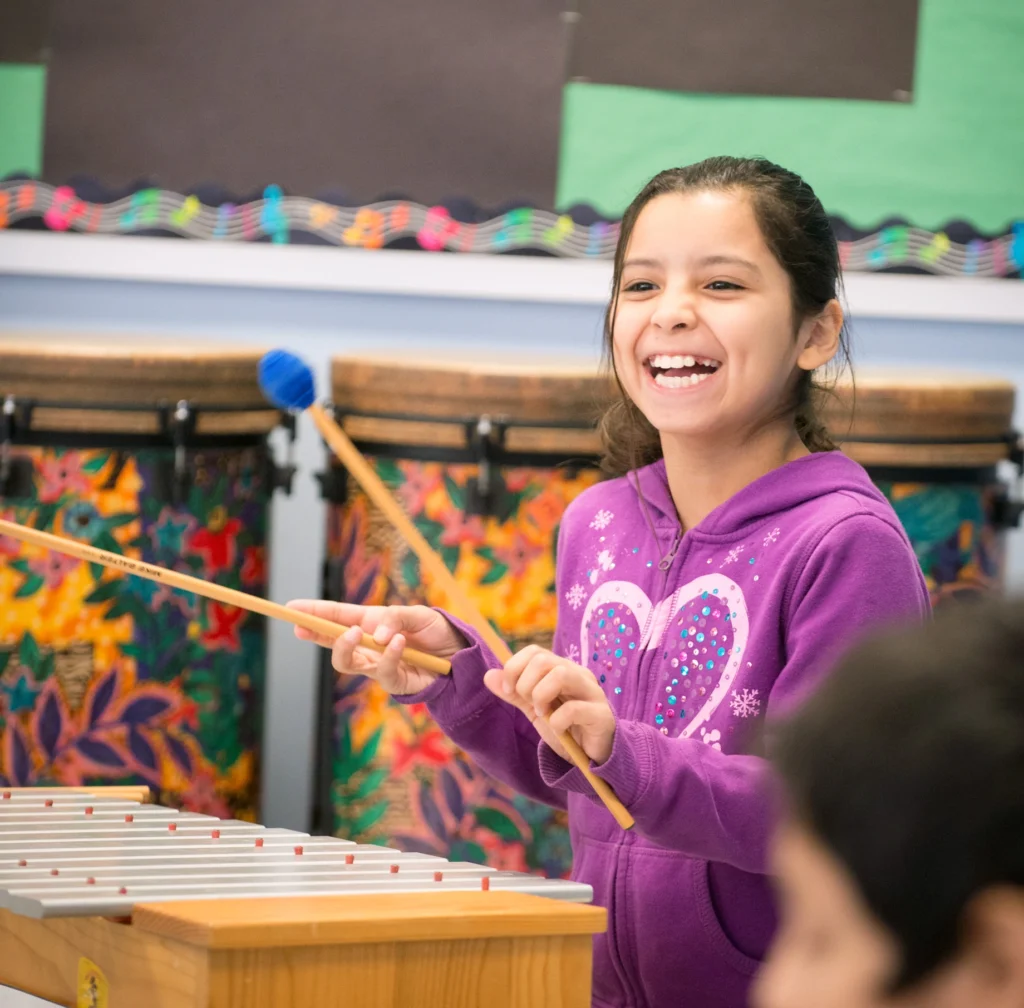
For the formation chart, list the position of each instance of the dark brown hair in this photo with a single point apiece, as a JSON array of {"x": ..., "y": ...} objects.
[
  {"x": 912, "y": 774},
  {"x": 797, "y": 231}
]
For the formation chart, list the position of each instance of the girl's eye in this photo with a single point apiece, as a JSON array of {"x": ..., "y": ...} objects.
[
  {"x": 639, "y": 287},
  {"x": 723, "y": 285}
]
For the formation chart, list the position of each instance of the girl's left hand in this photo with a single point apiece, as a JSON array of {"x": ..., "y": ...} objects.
[{"x": 543, "y": 685}]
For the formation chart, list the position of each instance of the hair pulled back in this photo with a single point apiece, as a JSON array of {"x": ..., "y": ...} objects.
[{"x": 797, "y": 231}]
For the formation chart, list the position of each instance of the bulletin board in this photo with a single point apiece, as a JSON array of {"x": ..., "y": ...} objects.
[
  {"x": 450, "y": 126},
  {"x": 955, "y": 152}
]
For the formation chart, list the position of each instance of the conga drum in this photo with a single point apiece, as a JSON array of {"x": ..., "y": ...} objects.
[
  {"x": 159, "y": 453},
  {"x": 933, "y": 444},
  {"x": 484, "y": 457}
]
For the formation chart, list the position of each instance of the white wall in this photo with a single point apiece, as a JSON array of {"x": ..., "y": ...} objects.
[{"x": 318, "y": 323}]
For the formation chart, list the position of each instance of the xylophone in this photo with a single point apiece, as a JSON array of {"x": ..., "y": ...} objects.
[{"x": 108, "y": 901}]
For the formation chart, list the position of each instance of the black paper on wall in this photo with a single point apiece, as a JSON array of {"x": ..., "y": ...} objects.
[
  {"x": 815, "y": 48},
  {"x": 448, "y": 98},
  {"x": 23, "y": 30}
]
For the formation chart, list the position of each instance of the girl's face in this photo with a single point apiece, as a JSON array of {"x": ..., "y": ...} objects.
[
  {"x": 831, "y": 951},
  {"x": 828, "y": 949},
  {"x": 704, "y": 337}
]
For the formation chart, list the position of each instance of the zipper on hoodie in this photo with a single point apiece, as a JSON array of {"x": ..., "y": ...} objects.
[
  {"x": 666, "y": 561},
  {"x": 629, "y": 973}
]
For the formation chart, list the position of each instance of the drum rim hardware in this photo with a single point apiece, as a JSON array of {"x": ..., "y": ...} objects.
[
  {"x": 177, "y": 427},
  {"x": 485, "y": 447}
]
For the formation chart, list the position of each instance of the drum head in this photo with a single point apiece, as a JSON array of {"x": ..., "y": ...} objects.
[
  {"x": 109, "y": 384},
  {"x": 921, "y": 418},
  {"x": 572, "y": 390}
]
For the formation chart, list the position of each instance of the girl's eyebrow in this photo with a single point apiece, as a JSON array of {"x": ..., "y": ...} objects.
[
  {"x": 727, "y": 260},
  {"x": 713, "y": 260}
]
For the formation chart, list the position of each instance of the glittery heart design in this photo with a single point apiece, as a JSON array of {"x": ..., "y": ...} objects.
[
  {"x": 611, "y": 632},
  {"x": 702, "y": 631}
]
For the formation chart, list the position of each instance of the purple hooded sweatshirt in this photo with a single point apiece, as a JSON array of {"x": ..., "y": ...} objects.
[{"x": 695, "y": 638}]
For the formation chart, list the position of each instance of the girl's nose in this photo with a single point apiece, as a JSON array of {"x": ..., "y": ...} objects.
[{"x": 674, "y": 313}]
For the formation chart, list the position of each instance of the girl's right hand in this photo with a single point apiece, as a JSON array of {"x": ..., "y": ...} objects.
[{"x": 395, "y": 626}]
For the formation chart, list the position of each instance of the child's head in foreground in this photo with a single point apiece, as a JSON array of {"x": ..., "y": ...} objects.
[{"x": 901, "y": 867}]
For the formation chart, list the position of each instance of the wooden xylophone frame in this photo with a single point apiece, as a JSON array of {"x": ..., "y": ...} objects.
[{"x": 423, "y": 948}]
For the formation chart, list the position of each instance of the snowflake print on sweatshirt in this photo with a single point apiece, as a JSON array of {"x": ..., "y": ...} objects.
[
  {"x": 605, "y": 562},
  {"x": 575, "y": 595},
  {"x": 745, "y": 703},
  {"x": 602, "y": 520}
]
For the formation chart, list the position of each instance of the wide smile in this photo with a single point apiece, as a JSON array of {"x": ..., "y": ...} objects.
[{"x": 677, "y": 371}]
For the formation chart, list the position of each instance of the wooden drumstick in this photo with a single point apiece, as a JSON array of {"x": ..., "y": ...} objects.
[
  {"x": 229, "y": 596},
  {"x": 288, "y": 382}
]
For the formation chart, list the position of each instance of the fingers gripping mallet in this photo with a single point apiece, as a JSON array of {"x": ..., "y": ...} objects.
[{"x": 287, "y": 381}]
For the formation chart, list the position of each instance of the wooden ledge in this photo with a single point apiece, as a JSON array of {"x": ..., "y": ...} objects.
[{"x": 357, "y": 919}]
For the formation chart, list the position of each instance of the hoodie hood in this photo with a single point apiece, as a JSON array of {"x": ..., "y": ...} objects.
[{"x": 788, "y": 486}]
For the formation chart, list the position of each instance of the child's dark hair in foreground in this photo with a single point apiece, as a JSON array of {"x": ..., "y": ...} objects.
[{"x": 901, "y": 865}]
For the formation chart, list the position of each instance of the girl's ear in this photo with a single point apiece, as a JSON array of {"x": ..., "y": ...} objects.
[
  {"x": 989, "y": 969},
  {"x": 819, "y": 337}
]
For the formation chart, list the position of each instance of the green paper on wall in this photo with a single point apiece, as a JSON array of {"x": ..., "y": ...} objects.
[
  {"x": 22, "y": 108},
  {"x": 955, "y": 151}
]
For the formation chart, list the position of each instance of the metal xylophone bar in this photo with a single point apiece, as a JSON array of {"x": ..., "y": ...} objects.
[{"x": 75, "y": 855}]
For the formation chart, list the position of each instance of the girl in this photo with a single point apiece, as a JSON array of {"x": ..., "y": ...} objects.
[
  {"x": 708, "y": 585},
  {"x": 902, "y": 880}
]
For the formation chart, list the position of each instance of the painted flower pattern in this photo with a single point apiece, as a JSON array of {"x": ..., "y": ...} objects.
[
  {"x": 60, "y": 473},
  {"x": 959, "y": 549},
  {"x": 217, "y": 542},
  {"x": 53, "y": 568},
  {"x": 396, "y": 778},
  {"x": 111, "y": 679}
]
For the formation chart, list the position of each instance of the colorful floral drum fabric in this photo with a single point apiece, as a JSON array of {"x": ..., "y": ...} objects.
[
  {"x": 394, "y": 777},
  {"x": 108, "y": 679},
  {"x": 955, "y": 535}
]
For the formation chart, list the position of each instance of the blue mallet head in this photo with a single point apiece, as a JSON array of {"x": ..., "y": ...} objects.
[{"x": 287, "y": 380}]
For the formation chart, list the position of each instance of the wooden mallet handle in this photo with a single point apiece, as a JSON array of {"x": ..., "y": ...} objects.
[
  {"x": 460, "y": 602},
  {"x": 229, "y": 596}
]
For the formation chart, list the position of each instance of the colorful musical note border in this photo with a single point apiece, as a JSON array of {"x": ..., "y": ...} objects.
[{"x": 280, "y": 218}]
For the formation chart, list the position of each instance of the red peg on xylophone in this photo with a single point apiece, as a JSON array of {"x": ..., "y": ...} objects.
[
  {"x": 172, "y": 826},
  {"x": 90, "y": 881},
  {"x": 298, "y": 850},
  {"x": 438, "y": 876},
  {"x": 48, "y": 803},
  {"x": 350, "y": 859},
  {"x": 485, "y": 883},
  {"x": 54, "y": 871},
  {"x": 259, "y": 841},
  {"x": 7, "y": 796},
  {"x": 394, "y": 869},
  {"x": 129, "y": 818},
  {"x": 22, "y": 863},
  {"x": 215, "y": 834},
  {"x": 122, "y": 891}
]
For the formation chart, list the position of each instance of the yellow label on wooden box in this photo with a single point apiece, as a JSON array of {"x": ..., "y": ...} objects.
[{"x": 92, "y": 985}]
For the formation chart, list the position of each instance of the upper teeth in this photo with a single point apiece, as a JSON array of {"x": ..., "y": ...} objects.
[{"x": 665, "y": 361}]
